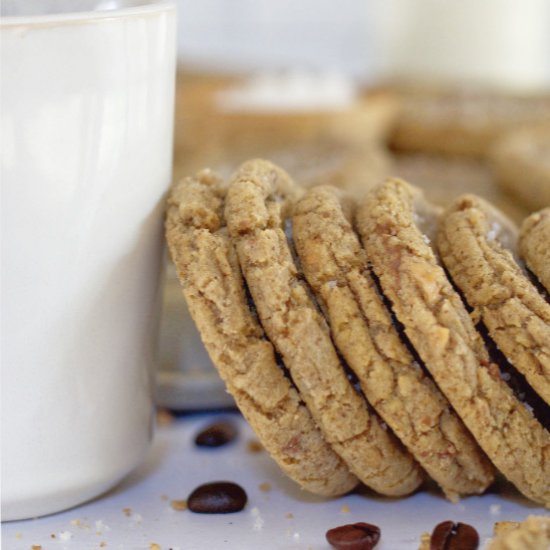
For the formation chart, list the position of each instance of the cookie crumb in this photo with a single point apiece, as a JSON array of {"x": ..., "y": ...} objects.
[
  {"x": 102, "y": 544},
  {"x": 425, "y": 541},
  {"x": 502, "y": 527},
  {"x": 18, "y": 536},
  {"x": 80, "y": 524},
  {"x": 137, "y": 518},
  {"x": 258, "y": 519},
  {"x": 290, "y": 515},
  {"x": 127, "y": 512},
  {"x": 345, "y": 509},
  {"x": 101, "y": 526},
  {"x": 154, "y": 546},
  {"x": 164, "y": 417},
  {"x": 164, "y": 497},
  {"x": 178, "y": 504},
  {"x": 254, "y": 446},
  {"x": 52, "y": 536},
  {"x": 264, "y": 487},
  {"x": 36, "y": 547}
]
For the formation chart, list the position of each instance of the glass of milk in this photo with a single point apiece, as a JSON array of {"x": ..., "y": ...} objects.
[{"x": 86, "y": 121}]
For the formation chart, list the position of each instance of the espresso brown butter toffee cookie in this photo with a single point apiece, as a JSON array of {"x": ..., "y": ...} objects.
[
  {"x": 521, "y": 164},
  {"x": 476, "y": 243},
  {"x": 336, "y": 268},
  {"x": 534, "y": 245},
  {"x": 397, "y": 226},
  {"x": 259, "y": 201},
  {"x": 463, "y": 122},
  {"x": 214, "y": 290}
]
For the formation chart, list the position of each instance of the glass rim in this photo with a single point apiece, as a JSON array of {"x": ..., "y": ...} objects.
[{"x": 145, "y": 7}]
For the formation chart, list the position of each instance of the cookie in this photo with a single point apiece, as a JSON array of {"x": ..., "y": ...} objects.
[
  {"x": 351, "y": 167},
  {"x": 259, "y": 201},
  {"x": 212, "y": 129},
  {"x": 521, "y": 164},
  {"x": 531, "y": 534},
  {"x": 336, "y": 268},
  {"x": 213, "y": 288},
  {"x": 396, "y": 226},
  {"x": 534, "y": 245},
  {"x": 475, "y": 242},
  {"x": 443, "y": 178},
  {"x": 465, "y": 123}
]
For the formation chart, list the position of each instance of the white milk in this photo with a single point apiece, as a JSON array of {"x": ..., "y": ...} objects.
[{"x": 86, "y": 119}]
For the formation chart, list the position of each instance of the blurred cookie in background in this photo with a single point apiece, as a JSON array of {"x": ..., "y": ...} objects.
[
  {"x": 463, "y": 121},
  {"x": 521, "y": 163},
  {"x": 443, "y": 179},
  {"x": 300, "y": 116}
]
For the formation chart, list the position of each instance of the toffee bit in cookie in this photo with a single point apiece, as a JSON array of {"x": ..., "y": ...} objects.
[
  {"x": 216, "y": 434},
  {"x": 221, "y": 497},
  {"x": 354, "y": 536},
  {"x": 449, "y": 535}
]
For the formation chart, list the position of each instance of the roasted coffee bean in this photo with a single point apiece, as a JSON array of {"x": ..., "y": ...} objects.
[
  {"x": 355, "y": 536},
  {"x": 454, "y": 536},
  {"x": 219, "y": 497},
  {"x": 217, "y": 434}
]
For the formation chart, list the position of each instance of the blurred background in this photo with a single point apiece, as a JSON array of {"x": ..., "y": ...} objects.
[{"x": 452, "y": 96}]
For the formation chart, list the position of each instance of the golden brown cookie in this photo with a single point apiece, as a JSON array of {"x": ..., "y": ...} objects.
[
  {"x": 475, "y": 242},
  {"x": 213, "y": 288},
  {"x": 531, "y": 534},
  {"x": 534, "y": 245},
  {"x": 212, "y": 132},
  {"x": 521, "y": 164},
  {"x": 336, "y": 268},
  {"x": 259, "y": 201},
  {"x": 396, "y": 227},
  {"x": 463, "y": 122},
  {"x": 443, "y": 178}
]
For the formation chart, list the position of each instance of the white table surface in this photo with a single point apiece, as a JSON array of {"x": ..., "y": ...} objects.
[{"x": 137, "y": 513}]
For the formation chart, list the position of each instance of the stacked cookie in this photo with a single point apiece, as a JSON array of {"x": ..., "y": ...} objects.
[{"x": 342, "y": 339}]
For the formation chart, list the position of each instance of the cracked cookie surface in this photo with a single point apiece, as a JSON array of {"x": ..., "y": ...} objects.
[
  {"x": 336, "y": 268},
  {"x": 476, "y": 247},
  {"x": 259, "y": 200},
  {"x": 534, "y": 245},
  {"x": 396, "y": 227},
  {"x": 214, "y": 290}
]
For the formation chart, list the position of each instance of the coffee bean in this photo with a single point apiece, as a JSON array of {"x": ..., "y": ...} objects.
[
  {"x": 217, "y": 434},
  {"x": 454, "y": 536},
  {"x": 355, "y": 536},
  {"x": 219, "y": 497}
]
